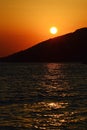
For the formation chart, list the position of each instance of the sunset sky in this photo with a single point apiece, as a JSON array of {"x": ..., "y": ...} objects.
[{"x": 24, "y": 23}]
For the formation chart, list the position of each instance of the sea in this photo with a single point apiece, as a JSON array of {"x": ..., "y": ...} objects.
[{"x": 43, "y": 96}]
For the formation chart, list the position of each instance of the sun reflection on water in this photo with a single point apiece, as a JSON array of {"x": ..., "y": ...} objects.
[
  {"x": 43, "y": 114},
  {"x": 51, "y": 96},
  {"x": 57, "y": 105}
]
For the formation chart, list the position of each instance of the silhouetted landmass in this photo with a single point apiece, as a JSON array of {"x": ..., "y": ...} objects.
[{"x": 71, "y": 47}]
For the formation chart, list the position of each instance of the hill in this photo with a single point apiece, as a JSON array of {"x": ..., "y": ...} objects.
[{"x": 71, "y": 47}]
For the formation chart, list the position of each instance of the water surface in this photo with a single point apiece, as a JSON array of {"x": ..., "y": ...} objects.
[{"x": 43, "y": 96}]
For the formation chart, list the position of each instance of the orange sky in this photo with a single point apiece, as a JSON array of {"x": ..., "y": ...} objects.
[{"x": 24, "y": 23}]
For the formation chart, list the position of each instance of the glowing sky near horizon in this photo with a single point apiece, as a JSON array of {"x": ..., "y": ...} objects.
[{"x": 23, "y": 23}]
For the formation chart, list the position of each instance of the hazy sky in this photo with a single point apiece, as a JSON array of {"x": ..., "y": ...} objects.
[{"x": 24, "y": 23}]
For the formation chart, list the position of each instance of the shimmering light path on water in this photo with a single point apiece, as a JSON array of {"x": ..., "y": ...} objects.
[{"x": 44, "y": 96}]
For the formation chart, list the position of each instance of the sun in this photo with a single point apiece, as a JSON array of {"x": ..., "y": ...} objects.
[{"x": 53, "y": 30}]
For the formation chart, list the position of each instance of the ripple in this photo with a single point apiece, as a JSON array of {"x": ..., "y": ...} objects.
[{"x": 43, "y": 96}]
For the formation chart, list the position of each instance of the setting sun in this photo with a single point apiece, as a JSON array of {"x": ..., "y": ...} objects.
[
  {"x": 53, "y": 30},
  {"x": 24, "y": 23}
]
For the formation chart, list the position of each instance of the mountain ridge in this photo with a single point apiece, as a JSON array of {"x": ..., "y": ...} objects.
[{"x": 70, "y": 47}]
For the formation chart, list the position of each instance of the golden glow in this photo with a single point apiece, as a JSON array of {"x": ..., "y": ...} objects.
[
  {"x": 57, "y": 105},
  {"x": 30, "y": 21},
  {"x": 53, "y": 30}
]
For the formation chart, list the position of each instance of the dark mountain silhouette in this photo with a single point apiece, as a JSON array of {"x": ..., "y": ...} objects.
[{"x": 71, "y": 47}]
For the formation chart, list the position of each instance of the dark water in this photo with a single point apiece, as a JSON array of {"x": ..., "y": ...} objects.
[{"x": 49, "y": 96}]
